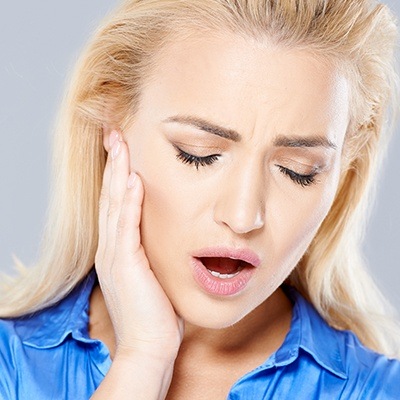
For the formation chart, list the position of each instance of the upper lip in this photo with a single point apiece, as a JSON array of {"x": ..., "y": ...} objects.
[{"x": 247, "y": 255}]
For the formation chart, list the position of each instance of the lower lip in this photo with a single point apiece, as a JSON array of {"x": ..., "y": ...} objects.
[{"x": 218, "y": 286}]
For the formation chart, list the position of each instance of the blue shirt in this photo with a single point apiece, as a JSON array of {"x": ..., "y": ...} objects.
[{"x": 49, "y": 355}]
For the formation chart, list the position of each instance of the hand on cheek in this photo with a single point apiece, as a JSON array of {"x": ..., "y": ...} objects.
[{"x": 143, "y": 318}]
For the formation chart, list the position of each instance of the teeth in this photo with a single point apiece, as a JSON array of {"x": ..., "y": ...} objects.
[{"x": 223, "y": 276}]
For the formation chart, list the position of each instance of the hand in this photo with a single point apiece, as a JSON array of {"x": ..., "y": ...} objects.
[{"x": 143, "y": 318}]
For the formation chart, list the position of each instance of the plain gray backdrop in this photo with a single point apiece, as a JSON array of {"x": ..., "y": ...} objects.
[{"x": 39, "y": 42}]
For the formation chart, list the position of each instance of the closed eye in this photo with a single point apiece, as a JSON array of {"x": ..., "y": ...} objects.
[
  {"x": 197, "y": 161},
  {"x": 300, "y": 179},
  {"x": 191, "y": 159}
]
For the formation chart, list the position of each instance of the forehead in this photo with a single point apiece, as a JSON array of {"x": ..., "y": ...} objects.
[{"x": 242, "y": 81}]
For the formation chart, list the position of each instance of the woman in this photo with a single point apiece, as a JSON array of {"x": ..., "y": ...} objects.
[{"x": 213, "y": 167}]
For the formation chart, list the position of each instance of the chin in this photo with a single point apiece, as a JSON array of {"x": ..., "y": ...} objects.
[
  {"x": 210, "y": 323},
  {"x": 212, "y": 314}
]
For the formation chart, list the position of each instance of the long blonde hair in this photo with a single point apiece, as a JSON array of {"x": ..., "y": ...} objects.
[{"x": 358, "y": 35}]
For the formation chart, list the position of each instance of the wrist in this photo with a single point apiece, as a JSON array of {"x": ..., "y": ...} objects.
[
  {"x": 137, "y": 375},
  {"x": 149, "y": 355}
]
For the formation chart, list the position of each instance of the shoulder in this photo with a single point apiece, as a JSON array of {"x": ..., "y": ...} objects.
[
  {"x": 10, "y": 347},
  {"x": 358, "y": 371},
  {"x": 373, "y": 374},
  {"x": 36, "y": 348},
  {"x": 9, "y": 342}
]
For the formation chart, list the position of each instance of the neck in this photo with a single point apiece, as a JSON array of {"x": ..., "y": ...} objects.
[{"x": 264, "y": 328}]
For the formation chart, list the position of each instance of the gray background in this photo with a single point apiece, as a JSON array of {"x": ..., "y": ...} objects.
[{"x": 39, "y": 41}]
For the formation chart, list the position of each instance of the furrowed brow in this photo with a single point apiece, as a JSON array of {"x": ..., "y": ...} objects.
[{"x": 230, "y": 134}]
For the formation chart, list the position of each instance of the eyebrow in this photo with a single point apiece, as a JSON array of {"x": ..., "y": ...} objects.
[
  {"x": 230, "y": 134},
  {"x": 206, "y": 126},
  {"x": 301, "y": 141}
]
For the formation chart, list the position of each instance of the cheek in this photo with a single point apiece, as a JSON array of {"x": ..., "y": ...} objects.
[
  {"x": 170, "y": 211},
  {"x": 162, "y": 198},
  {"x": 174, "y": 207},
  {"x": 303, "y": 220},
  {"x": 160, "y": 207}
]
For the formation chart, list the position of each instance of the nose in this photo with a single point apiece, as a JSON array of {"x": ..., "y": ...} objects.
[{"x": 240, "y": 203}]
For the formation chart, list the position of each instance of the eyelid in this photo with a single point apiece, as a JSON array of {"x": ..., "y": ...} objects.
[
  {"x": 185, "y": 146},
  {"x": 302, "y": 168},
  {"x": 182, "y": 136}
]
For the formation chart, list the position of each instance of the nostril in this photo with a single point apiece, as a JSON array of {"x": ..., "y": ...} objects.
[{"x": 240, "y": 219}]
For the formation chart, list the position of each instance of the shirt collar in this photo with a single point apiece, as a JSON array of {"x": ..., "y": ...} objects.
[
  {"x": 310, "y": 332},
  {"x": 49, "y": 327}
]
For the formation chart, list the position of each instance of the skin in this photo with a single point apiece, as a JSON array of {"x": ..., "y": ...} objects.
[{"x": 290, "y": 111}]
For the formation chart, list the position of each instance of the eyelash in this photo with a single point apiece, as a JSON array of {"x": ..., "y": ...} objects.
[
  {"x": 303, "y": 180},
  {"x": 186, "y": 158}
]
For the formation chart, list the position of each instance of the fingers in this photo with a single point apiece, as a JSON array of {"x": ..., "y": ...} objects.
[
  {"x": 128, "y": 233},
  {"x": 103, "y": 210},
  {"x": 114, "y": 187},
  {"x": 117, "y": 188}
]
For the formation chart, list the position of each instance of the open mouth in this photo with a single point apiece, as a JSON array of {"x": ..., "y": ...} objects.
[
  {"x": 224, "y": 267},
  {"x": 224, "y": 272}
]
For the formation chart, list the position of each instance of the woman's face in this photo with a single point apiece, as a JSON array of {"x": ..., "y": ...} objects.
[{"x": 238, "y": 144}]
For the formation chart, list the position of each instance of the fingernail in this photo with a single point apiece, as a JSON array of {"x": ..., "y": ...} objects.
[
  {"x": 131, "y": 180},
  {"x": 115, "y": 149},
  {"x": 113, "y": 137}
]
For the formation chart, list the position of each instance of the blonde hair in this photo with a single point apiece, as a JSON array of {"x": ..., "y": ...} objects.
[{"x": 358, "y": 35}]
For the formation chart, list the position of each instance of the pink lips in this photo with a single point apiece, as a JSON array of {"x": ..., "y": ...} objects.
[{"x": 228, "y": 286}]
